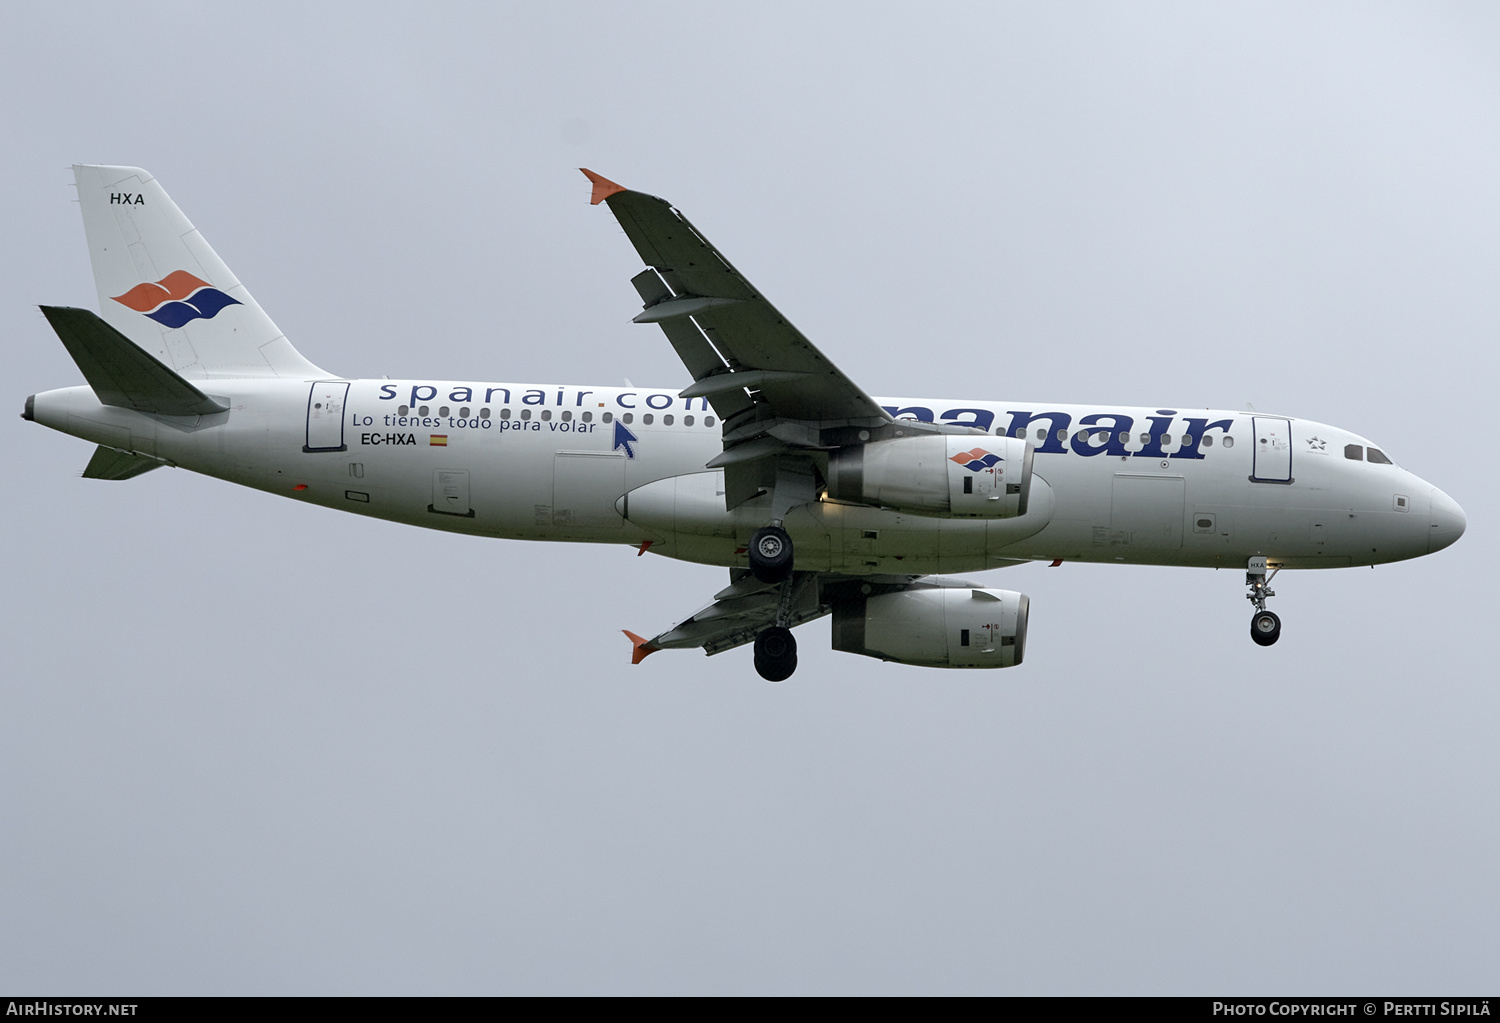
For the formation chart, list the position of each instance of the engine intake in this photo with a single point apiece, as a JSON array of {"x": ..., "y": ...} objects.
[
  {"x": 943, "y": 475},
  {"x": 963, "y": 627}
]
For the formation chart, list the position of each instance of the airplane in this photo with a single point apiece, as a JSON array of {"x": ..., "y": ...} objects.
[{"x": 819, "y": 499}]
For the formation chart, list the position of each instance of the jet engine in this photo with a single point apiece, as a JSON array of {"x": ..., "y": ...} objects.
[
  {"x": 959, "y": 627},
  {"x": 942, "y": 475}
]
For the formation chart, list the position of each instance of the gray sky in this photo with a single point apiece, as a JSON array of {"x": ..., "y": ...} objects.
[{"x": 248, "y": 746}]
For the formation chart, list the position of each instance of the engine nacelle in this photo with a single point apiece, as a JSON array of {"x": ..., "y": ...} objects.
[
  {"x": 944, "y": 475},
  {"x": 963, "y": 627}
]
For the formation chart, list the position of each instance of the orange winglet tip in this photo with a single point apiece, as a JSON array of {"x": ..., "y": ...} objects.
[
  {"x": 641, "y": 650},
  {"x": 603, "y": 187},
  {"x": 1059, "y": 561}
]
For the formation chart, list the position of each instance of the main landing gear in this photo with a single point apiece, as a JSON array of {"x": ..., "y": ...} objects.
[
  {"x": 770, "y": 554},
  {"x": 1265, "y": 627},
  {"x": 776, "y": 653},
  {"x": 775, "y": 646},
  {"x": 771, "y": 562},
  {"x": 770, "y": 557}
]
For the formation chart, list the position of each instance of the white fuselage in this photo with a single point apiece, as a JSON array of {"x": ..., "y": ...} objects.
[{"x": 550, "y": 462}]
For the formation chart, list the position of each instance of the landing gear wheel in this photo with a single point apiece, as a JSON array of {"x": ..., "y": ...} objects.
[
  {"x": 1265, "y": 628},
  {"x": 770, "y": 555},
  {"x": 775, "y": 654}
]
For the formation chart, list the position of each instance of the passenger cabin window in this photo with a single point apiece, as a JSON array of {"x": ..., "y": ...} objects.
[
  {"x": 443, "y": 411},
  {"x": 626, "y": 418},
  {"x": 1208, "y": 441},
  {"x": 648, "y": 419},
  {"x": 463, "y": 413},
  {"x": 403, "y": 410},
  {"x": 666, "y": 420},
  {"x": 422, "y": 411},
  {"x": 566, "y": 416},
  {"x": 687, "y": 420},
  {"x": 1378, "y": 457},
  {"x": 1355, "y": 452},
  {"x": 526, "y": 413},
  {"x": 546, "y": 414},
  {"x": 708, "y": 420},
  {"x": 505, "y": 413},
  {"x": 587, "y": 417},
  {"x": 484, "y": 413},
  {"x": 1229, "y": 442},
  {"x": 608, "y": 417}
]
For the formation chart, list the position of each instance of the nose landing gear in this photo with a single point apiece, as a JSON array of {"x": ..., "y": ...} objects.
[{"x": 1265, "y": 626}]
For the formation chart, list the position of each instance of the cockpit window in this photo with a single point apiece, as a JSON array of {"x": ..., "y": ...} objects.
[
  {"x": 1378, "y": 457},
  {"x": 1355, "y": 452}
]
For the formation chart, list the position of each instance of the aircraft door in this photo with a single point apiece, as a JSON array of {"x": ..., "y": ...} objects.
[
  {"x": 1273, "y": 450},
  {"x": 325, "y": 416}
]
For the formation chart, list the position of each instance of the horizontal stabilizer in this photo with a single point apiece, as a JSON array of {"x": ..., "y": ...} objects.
[
  {"x": 121, "y": 372},
  {"x": 109, "y": 464}
]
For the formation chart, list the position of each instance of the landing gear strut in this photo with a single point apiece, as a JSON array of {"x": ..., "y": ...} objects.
[
  {"x": 776, "y": 647},
  {"x": 1265, "y": 627},
  {"x": 770, "y": 556}
]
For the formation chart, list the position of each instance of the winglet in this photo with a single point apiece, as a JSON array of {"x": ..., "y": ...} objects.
[
  {"x": 641, "y": 650},
  {"x": 603, "y": 187}
]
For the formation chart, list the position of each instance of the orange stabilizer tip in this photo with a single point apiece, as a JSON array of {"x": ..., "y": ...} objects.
[
  {"x": 641, "y": 650},
  {"x": 603, "y": 187},
  {"x": 1055, "y": 563},
  {"x": 644, "y": 547}
]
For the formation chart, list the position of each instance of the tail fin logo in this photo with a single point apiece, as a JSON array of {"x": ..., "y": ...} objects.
[
  {"x": 977, "y": 460},
  {"x": 176, "y": 299}
]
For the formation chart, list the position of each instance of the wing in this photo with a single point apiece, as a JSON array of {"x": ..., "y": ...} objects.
[
  {"x": 774, "y": 391},
  {"x": 745, "y": 607},
  {"x": 738, "y": 612}
]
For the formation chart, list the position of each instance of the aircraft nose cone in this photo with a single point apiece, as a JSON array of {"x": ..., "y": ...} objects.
[{"x": 1448, "y": 521}]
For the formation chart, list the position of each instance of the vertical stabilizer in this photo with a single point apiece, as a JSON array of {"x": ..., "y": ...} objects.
[{"x": 163, "y": 287}]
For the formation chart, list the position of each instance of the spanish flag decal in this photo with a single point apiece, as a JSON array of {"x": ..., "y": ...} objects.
[{"x": 437, "y": 440}]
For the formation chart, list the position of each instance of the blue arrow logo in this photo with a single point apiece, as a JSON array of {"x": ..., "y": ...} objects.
[{"x": 623, "y": 439}]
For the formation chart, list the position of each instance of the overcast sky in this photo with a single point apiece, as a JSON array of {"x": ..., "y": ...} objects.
[{"x": 251, "y": 746}]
